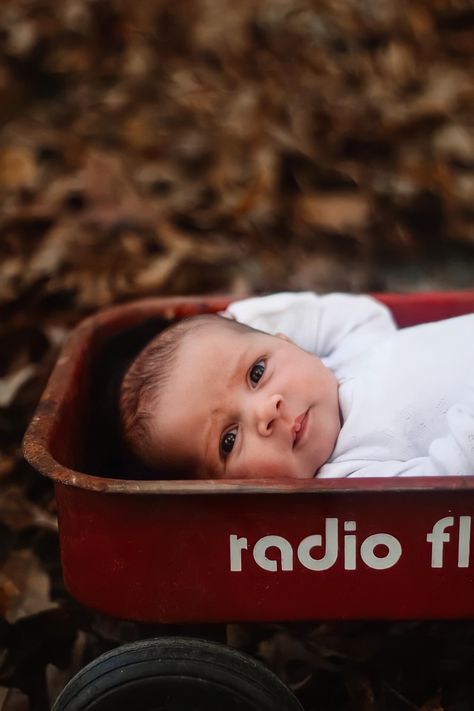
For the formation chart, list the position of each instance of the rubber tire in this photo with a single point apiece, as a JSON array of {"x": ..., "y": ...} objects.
[{"x": 175, "y": 674}]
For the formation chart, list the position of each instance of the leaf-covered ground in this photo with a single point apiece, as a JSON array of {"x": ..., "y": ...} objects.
[{"x": 159, "y": 147}]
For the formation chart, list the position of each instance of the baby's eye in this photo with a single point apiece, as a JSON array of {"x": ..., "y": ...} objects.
[
  {"x": 256, "y": 372},
  {"x": 227, "y": 442}
]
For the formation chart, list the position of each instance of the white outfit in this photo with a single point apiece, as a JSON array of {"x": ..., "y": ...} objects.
[{"x": 406, "y": 395}]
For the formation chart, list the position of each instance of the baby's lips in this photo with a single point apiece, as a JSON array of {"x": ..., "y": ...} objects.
[{"x": 297, "y": 424}]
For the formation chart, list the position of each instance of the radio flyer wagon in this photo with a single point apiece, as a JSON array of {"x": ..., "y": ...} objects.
[{"x": 221, "y": 551}]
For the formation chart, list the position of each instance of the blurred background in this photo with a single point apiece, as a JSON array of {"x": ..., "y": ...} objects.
[{"x": 156, "y": 148}]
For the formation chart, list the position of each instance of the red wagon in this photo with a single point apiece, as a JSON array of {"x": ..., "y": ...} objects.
[{"x": 207, "y": 551}]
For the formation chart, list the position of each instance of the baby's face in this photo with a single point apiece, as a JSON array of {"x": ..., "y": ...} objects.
[{"x": 245, "y": 405}]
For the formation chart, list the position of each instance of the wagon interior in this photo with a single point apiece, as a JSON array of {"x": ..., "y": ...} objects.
[
  {"x": 99, "y": 449},
  {"x": 84, "y": 434},
  {"x": 81, "y": 406}
]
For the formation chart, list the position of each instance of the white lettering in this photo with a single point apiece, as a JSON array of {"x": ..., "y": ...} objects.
[
  {"x": 350, "y": 546},
  {"x": 286, "y": 553},
  {"x": 326, "y": 544},
  {"x": 330, "y": 552},
  {"x": 392, "y": 544},
  {"x": 438, "y": 537},
  {"x": 464, "y": 543},
  {"x": 237, "y": 545}
]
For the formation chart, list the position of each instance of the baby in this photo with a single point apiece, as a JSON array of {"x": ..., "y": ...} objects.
[{"x": 299, "y": 385}]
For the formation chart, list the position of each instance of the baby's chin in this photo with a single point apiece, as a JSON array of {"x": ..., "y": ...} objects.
[
  {"x": 305, "y": 472},
  {"x": 299, "y": 474}
]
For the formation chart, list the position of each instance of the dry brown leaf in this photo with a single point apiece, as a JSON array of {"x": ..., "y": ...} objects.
[
  {"x": 9, "y": 593},
  {"x": 340, "y": 212},
  {"x": 10, "y": 384},
  {"x": 31, "y": 581},
  {"x": 18, "y": 168},
  {"x": 19, "y": 513}
]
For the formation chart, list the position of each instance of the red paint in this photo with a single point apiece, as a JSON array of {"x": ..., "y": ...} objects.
[
  {"x": 160, "y": 550},
  {"x": 167, "y": 558}
]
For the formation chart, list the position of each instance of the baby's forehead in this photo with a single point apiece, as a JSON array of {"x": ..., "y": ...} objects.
[
  {"x": 220, "y": 343},
  {"x": 220, "y": 330}
]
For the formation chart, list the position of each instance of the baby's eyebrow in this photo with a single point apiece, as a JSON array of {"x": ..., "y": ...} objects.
[
  {"x": 211, "y": 459},
  {"x": 241, "y": 363},
  {"x": 210, "y": 447}
]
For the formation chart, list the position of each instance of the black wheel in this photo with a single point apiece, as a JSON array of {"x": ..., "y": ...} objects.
[{"x": 175, "y": 674}]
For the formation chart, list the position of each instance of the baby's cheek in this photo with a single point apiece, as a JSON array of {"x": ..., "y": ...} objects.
[{"x": 271, "y": 467}]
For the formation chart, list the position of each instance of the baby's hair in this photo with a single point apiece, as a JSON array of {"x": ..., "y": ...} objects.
[{"x": 146, "y": 379}]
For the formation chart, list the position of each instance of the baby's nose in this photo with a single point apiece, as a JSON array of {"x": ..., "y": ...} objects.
[{"x": 268, "y": 411}]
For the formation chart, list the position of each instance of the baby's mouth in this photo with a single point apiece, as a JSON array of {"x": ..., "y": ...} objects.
[{"x": 299, "y": 427}]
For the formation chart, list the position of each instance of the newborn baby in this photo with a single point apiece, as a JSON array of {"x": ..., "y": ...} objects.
[{"x": 300, "y": 385}]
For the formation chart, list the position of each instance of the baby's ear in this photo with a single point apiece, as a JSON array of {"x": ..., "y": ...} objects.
[{"x": 284, "y": 337}]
